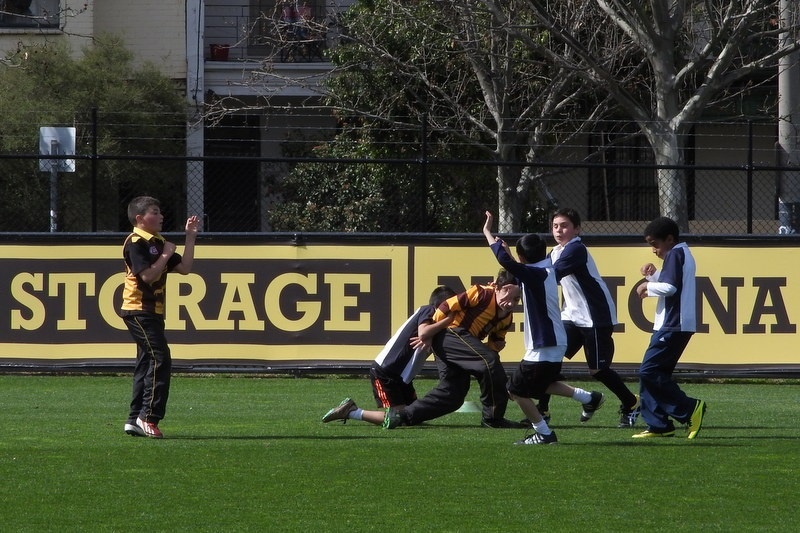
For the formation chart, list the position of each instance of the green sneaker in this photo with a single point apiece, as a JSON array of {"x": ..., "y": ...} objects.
[
  {"x": 394, "y": 418},
  {"x": 697, "y": 418},
  {"x": 341, "y": 411}
]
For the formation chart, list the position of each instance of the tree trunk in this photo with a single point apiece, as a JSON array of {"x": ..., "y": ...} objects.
[
  {"x": 510, "y": 203},
  {"x": 788, "y": 121},
  {"x": 672, "y": 201}
]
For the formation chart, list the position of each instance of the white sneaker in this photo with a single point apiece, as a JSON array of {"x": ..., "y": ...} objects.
[{"x": 133, "y": 430}]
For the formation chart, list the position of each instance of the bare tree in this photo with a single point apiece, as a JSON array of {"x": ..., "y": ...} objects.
[
  {"x": 455, "y": 65},
  {"x": 692, "y": 53}
]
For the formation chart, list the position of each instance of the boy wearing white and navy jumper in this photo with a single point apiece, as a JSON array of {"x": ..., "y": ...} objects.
[
  {"x": 545, "y": 340},
  {"x": 589, "y": 314},
  {"x": 675, "y": 323}
]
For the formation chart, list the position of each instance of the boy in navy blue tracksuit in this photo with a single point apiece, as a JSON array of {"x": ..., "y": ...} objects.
[{"x": 675, "y": 323}]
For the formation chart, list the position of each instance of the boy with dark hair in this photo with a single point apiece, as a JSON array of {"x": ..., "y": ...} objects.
[
  {"x": 394, "y": 369},
  {"x": 481, "y": 312},
  {"x": 674, "y": 325},
  {"x": 545, "y": 340},
  {"x": 148, "y": 259},
  {"x": 588, "y": 313}
]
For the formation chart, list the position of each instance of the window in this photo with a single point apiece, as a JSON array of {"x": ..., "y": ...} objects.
[
  {"x": 29, "y": 13},
  {"x": 293, "y": 30}
]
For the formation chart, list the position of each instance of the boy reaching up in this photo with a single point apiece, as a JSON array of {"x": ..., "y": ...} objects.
[
  {"x": 148, "y": 258},
  {"x": 545, "y": 339}
]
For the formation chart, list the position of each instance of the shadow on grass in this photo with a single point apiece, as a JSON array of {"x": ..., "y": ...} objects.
[{"x": 272, "y": 437}]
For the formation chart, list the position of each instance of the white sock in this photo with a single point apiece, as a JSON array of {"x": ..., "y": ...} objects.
[
  {"x": 356, "y": 414},
  {"x": 582, "y": 396},
  {"x": 541, "y": 427}
]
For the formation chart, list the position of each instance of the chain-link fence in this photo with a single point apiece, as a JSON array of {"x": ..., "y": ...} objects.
[{"x": 255, "y": 177}]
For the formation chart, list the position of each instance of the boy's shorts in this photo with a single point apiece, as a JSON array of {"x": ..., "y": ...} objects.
[
  {"x": 388, "y": 390},
  {"x": 597, "y": 344},
  {"x": 531, "y": 378}
]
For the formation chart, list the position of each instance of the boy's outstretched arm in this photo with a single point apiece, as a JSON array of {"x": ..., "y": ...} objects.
[
  {"x": 487, "y": 229},
  {"x": 491, "y": 239},
  {"x": 187, "y": 258}
]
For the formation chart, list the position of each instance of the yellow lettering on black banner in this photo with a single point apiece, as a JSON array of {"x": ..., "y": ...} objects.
[
  {"x": 71, "y": 297},
  {"x": 105, "y": 301},
  {"x": 340, "y": 302},
  {"x": 309, "y": 311},
  {"x": 238, "y": 298},
  {"x": 31, "y": 302}
]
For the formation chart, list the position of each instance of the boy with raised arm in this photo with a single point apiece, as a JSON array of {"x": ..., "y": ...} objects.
[
  {"x": 545, "y": 340},
  {"x": 148, "y": 258}
]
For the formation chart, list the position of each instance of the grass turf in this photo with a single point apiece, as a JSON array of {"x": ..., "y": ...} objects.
[{"x": 250, "y": 454}]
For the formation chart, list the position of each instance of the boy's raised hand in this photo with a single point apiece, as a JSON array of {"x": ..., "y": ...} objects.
[
  {"x": 193, "y": 224},
  {"x": 487, "y": 225},
  {"x": 487, "y": 229}
]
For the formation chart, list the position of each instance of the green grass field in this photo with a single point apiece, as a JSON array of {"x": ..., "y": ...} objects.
[{"x": 250, "y": 454}]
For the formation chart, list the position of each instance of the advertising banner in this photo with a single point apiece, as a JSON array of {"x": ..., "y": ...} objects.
[{"x": 283, "y": 302}]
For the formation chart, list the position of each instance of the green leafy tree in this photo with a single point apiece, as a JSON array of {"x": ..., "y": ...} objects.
[
  {"x": 140, "y": 111},
  {"x": 454, "y": 68},
  {"x": 362, "y": 185},
  {"x": 478, "y": 88}
]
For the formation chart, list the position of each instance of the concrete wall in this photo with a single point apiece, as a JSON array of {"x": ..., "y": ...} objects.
[{"x": 154, "y": 30}]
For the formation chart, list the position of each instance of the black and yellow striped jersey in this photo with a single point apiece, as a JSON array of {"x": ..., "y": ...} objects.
[
  {"x": 476, "y": 310},
  {"x": 140, "y": 251}
]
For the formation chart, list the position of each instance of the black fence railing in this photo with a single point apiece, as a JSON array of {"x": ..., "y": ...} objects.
[
  {"x": 324, "y": 176},
  {"x": 257, "y": 194}
]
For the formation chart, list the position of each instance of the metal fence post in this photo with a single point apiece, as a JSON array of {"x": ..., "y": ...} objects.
[
  {"x": 94, "y": 169},
  {"x": 749, "y": 177},
  {"x": 424, "y": 177}
]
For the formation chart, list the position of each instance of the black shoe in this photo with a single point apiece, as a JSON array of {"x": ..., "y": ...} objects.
[
  {"x": 538, "y": 438},
  {"x": 628, "y": 416},
  {"x": 502, "y": 423},
  {"x": 594, "y": 404}
]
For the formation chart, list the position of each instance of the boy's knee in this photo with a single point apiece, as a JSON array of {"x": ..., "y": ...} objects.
[
  {"x": 603, "y": 373},
  {"x": 650, "y": 376}
]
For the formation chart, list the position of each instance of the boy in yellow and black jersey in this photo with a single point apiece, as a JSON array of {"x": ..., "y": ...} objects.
[{"x": 148, "y": 258}]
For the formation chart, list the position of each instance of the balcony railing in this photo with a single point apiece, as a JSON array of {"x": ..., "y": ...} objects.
[{"x": 280, "y": 31}]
